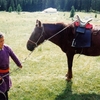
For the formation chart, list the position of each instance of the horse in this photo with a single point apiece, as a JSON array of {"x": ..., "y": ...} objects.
[{"x": 62, "y": 35}]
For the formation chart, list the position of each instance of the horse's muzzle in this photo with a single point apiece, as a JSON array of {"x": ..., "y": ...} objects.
[{"x": 30, "y": 46}]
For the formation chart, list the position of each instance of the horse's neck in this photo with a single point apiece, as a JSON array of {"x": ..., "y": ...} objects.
[
  {"x": 63, "y": 39},
  {"x": 53, "y": 37},
  {"x": 52, "y": 33}
]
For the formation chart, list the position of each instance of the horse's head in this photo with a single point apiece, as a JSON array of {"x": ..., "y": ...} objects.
[{"x": 36, "y": 37}]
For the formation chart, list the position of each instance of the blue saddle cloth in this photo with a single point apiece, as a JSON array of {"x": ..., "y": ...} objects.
[{"x": 82, "y": 38}]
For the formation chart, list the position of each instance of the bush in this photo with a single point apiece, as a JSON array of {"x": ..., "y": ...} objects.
[
  {"x": 10, "y": 9},
  {"x": 19, "y": 9},
  {"x": 72, "y": 13},
  {"x": 95, "y": 15}
]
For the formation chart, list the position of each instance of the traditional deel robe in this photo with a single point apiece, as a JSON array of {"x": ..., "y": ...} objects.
[{"x": 5, "y": 54}]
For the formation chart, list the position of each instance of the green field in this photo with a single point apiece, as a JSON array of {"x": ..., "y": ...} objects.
[{"x": 43, "y": 74}]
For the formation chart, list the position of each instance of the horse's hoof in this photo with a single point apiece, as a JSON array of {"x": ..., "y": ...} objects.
[
  {"x": 68, "y": 79},
  {"x": 66, "y": 75}
]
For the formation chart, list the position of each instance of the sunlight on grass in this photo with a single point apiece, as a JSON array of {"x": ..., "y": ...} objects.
[{"x": 43, "y": 74}]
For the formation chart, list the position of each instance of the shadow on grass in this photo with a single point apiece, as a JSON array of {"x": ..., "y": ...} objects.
[{"x": 68, "y": 95}]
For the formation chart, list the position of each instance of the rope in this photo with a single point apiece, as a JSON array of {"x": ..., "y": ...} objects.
[
  {"x": 32, "y": 51},
  {"x": 57, "y": 33},
  {"x": 18, "y": 67},
  {"x": 60, "y": 31}
]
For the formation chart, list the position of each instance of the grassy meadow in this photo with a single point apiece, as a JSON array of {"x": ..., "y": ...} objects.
[{"x": 43, "y": 74}]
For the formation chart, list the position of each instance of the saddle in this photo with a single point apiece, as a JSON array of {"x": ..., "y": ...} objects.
[{"x": 83, "y": 31}]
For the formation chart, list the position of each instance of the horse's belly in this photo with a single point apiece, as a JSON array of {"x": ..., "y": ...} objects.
[{"x": 92, "y": 51}]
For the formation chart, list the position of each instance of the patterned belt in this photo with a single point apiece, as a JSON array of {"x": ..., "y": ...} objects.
[{"x": 4, "y": 70}]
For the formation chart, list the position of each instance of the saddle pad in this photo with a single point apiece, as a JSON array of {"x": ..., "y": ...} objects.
[
  {"x": 80, "y": 30},
  {"x": 82, "y": 40},
  {"x": 88, "y": 25}
]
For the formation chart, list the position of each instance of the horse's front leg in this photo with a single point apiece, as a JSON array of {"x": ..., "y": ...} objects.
[{"x": 70, "y": 63}]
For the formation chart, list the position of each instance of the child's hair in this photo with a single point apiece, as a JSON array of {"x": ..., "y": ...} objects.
[{"x": 1, "y": 35}]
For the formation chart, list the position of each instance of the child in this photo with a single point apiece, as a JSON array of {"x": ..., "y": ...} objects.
[{"x": 5, "y": 53}]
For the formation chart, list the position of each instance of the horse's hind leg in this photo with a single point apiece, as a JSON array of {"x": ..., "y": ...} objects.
[{"x": 70, "y": 61}]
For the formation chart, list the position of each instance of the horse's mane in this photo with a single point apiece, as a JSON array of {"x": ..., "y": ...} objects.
[
  {"x": 60, "y": 24},
  {"x": 65, "y": 24}
]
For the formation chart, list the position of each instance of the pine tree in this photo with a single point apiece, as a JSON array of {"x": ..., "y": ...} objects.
[
  {"x": 72, "y": 13},
  {"x": 10, "y": 9},
  {"x": 19, "y": 9},
  {"x": 96, "y": 15}
]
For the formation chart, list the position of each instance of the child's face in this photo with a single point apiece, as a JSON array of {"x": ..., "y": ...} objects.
[{"x": 1, "y": 42}]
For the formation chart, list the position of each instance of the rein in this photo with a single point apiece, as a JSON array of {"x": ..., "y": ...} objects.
[
  {"x": 57, "y": 33},
  {"x": 36, "y": 43},
  {"x": 18, "y": 67}
]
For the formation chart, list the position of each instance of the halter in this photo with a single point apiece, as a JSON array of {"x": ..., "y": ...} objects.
[{"x": 36, "y": 43}]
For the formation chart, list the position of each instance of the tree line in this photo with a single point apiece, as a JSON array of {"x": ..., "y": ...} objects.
[{"x": 39, "y": 5}]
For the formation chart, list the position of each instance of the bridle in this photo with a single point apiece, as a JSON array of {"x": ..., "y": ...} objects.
[
  {"x": 43, "y": 31},
  {"x": 41, "y": 35}
]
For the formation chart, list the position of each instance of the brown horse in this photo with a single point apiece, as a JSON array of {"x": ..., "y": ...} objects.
[{"x": 63, "y": 35}]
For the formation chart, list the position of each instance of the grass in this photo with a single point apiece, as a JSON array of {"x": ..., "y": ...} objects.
[{"x": 43, "y": 74}]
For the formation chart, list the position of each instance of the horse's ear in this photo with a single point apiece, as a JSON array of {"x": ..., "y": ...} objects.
[{"x": 38, "y": 23}]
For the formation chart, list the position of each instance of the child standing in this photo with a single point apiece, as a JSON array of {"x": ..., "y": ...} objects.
[{"x": 5, "y": 53}]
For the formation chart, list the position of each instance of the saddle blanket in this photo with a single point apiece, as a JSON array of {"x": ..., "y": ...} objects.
[{"x": 82, "y": 38}]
